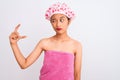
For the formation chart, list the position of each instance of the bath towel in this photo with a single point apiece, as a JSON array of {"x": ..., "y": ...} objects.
[{"x": 57, "y": 65}]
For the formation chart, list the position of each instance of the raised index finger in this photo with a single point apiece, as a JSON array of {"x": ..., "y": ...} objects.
[{"x": 16, "y": 28}]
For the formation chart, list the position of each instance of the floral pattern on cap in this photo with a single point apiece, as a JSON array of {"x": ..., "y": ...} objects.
[{"x": 61, "y": 8}]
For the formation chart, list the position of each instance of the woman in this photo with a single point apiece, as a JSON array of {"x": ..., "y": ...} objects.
[{"x": 63, "y": 55}]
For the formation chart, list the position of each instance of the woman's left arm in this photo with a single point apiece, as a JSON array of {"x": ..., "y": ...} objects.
[{"x": 78, "y": 62}]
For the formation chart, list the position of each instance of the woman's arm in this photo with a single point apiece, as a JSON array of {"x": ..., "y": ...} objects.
[
  {"x": 22, "y": 61},
  {"x": 78, "y": 62}
]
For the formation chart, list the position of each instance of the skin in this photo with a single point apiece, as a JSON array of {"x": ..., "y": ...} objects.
[{"x": 59, "y": 42}]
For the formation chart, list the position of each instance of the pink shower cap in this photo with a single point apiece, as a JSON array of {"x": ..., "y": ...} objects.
[{"x": 61, "y": 8}]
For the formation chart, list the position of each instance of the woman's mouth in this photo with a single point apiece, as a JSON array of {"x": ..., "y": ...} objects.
[{"x": 58, "y": 29}]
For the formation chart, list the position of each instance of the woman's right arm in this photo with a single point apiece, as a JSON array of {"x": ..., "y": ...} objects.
[{"x": 22, "y": 61}]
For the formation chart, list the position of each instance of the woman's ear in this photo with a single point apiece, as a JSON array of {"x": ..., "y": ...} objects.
[{"x": 69, "y": 21}]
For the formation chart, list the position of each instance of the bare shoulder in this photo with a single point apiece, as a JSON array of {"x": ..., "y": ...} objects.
[
  {"x": 44, "y": 41},
  {"x": 77, "y": 46}
]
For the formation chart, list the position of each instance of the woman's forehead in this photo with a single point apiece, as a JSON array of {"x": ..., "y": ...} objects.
[{"x": 58, "y": 16}]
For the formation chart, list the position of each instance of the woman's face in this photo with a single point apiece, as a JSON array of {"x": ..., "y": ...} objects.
[{"x": 60, "y": 23}]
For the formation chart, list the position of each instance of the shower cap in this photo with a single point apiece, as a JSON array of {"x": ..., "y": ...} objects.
[{"x": 61, "y": 8}]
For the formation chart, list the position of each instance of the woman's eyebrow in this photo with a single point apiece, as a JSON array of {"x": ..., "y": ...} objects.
[
  {"x": 53, "y": 19},
  {"x": 62, "y": 17}
]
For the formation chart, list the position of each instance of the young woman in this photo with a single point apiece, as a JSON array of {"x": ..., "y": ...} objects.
[{"x": 62, "y": 54}]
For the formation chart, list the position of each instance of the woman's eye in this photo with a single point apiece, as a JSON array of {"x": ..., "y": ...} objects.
[
  {"x": 61, "y": 20},
  {"x": 52, "y": 21}
]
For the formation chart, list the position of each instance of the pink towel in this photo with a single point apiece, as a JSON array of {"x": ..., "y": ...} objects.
[{"x": 57, "y": 66}]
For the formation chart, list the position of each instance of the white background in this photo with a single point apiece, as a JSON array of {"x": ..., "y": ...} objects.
[{"x": 96, "y": 26}]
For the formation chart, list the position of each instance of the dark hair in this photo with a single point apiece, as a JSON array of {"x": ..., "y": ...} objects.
[{"x": 68, "y": 18}]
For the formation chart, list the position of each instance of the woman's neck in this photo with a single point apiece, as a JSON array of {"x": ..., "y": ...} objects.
[{"x": 61, "y": 37}]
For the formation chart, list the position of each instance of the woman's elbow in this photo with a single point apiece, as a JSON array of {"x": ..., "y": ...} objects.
[
  {"x": 23, "y": 67},
  {"x": 77, "y": 76}
]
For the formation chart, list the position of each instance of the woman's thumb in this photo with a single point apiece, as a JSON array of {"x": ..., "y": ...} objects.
[{"x": 22, "y": 37}]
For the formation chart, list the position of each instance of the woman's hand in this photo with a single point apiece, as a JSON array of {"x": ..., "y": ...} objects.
[{"x": 14, "y": 37}]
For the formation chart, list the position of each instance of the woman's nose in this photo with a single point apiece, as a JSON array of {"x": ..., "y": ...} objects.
[{"x": 58, "y": 24}]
